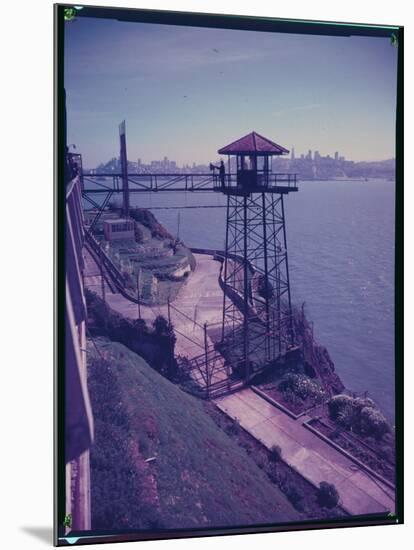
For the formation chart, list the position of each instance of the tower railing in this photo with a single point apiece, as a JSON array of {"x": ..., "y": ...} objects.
[{"x": 258, "y": 181}]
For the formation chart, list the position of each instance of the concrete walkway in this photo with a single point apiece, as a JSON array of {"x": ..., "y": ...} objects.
[
  {"x": 314, "y": 459},
  {"x": 201, "y": 299}
]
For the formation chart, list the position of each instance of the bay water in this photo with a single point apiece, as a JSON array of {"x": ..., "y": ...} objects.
[{"x": 341, "y": 257}]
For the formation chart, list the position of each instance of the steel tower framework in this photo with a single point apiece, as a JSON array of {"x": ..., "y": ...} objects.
[{"x": 257, "y": 326}]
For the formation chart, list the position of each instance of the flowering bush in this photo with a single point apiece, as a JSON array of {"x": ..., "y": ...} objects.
[
  {"x": 301, "y": 386},
  {"x": 373, "y": 422},
  {"x": 358, "y": 414}
]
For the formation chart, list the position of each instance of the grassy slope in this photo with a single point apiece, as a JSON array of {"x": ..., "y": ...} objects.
[{"x": 200, "y": 477}]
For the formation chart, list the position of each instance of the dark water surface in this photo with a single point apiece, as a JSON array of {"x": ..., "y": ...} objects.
[{"x": 341, "y": 257}]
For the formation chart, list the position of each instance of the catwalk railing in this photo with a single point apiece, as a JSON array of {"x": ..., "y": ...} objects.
[{"x": 101, "y": 183}]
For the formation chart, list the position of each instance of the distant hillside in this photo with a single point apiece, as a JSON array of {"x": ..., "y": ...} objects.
[{"x": 159, "y": 461}]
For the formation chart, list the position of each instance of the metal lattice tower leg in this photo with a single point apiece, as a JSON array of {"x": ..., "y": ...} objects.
[{"x": 257, "y": 312}]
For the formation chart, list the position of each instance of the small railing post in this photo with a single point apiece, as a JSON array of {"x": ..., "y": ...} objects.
[
  {"x": 102, "y": 275},
  {"x": 206, "y": 361},
  {"x": 138, "y": 293},
  {"x": 169, "y": 311}
]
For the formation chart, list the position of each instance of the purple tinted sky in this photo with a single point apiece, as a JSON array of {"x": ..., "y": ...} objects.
[{"x": 186, "y": 91}]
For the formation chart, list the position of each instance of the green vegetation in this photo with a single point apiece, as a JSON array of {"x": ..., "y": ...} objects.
[
  {"x": 301, "y": 386},
  {"x": 67, "y": 521},
  {"x": 372, "y": 421},
  {"x": 293, "y": 493},
  {"x": 287, "y": 384},
  {"x": 163, "y": 262},
  {"x": 159, "y": 461},
  {"x": 275, "y": 453},
  {"x": 156, "y": 344},
  {"x": 328, "y": 495},
  {"x": 147, "y": 218},
  {"x": 303, "y": 495},
  {"x": 359, "y": 415}
]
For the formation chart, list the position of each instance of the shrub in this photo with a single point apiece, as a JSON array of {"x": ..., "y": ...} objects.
[
  {"x": 97, "y": 308},
  {"x": 328, "y": 496},
  {"x": 274, "y": 476},
  {"x": 155, "y": 346},
  {"x": 337, "y": 404},
  {"x": 373, "y": 422},
  {"x": 234, "y": 428},
  {"x": 275, "y": 453},
  {"x": 346, "y": 417},
  {"x": 358, "y": 414},
  {"x": 141, "y": 326},
  {"x": 301, "y": 386},
  {"x": 148, "y": 219},
  {"x": 183, "y": 368},
  {"x": 360, "y": 402},
  {"x": 161, "y": 326},
  {"x": 342, "y": 410}
]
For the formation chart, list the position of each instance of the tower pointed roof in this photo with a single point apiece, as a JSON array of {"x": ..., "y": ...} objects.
[{"x": 253, "y": 144}]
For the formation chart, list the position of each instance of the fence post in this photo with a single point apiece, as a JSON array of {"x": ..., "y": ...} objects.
[
  {"x": 102, "y": 275},
  {"x": 139, "y": 293},
  {"x": 169, "y": 310},
  {"x": 102, "y": 283},
  {"x": 195, "y": 317},
  {"x": 206, "y": 360}
]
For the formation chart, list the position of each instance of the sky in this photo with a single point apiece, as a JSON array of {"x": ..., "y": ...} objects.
[{"x": 185, "y": 92}]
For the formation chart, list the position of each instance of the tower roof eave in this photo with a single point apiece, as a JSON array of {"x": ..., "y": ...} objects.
[{"x": 253, "y": 144}]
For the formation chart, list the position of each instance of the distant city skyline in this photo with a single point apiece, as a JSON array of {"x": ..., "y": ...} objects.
[
  {"x": 293, "y": 154},
  {"x": 185, "y": 92}
]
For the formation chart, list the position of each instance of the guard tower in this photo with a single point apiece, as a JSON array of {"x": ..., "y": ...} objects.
[{"x": 257, "y": 314}]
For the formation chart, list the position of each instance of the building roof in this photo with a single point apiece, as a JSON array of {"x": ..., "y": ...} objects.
[
  {"x": 253, "y": 144},
  {"x": 118, "y": 220}
]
